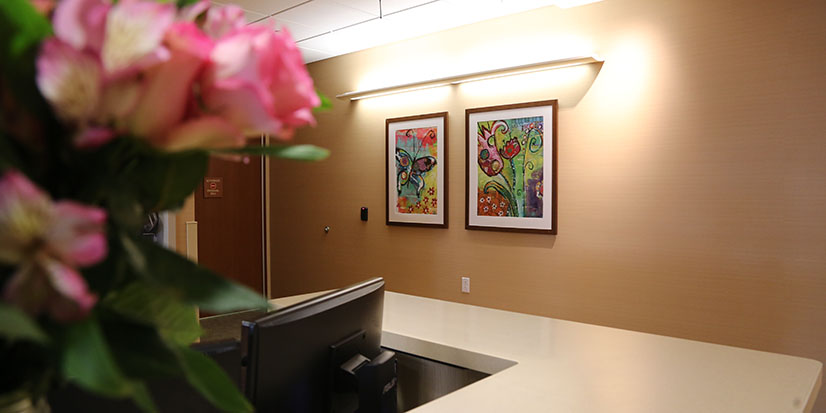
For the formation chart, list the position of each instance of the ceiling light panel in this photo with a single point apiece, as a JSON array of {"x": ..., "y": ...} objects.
[
  {"x": 395, "y": 27},
  {"x": 353, "y": 38},
  {"x": 395, "y": 6},
  {"x": 297, "y": 31},
  {"x": 249, "y": 16},
  {"x": 265, "y": 7},
  {"x": 387, "y": 6},
  {"x": 367, "y": 6},
  {"x": 325, "y": 15}
]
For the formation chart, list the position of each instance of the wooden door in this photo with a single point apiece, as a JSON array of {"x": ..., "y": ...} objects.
[{"x": 229, "y": 209}]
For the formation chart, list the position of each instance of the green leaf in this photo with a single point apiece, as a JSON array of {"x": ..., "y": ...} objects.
[
  {"x": 136, "y": 171},
  {"x": 22, "y": 29},
  {"x": 326, "y": 103},
  {"x": 133, "y": 254},
  {"x": 194, "y": 284},
  {"x": 175, "y": 320},
  {"x": 17, "y": 325},
  {"x": 293, "y": 152},
  {"x": 139, "y": 350},
  {"x": 88, "y": 362},
  {"x": 165, "y": 180},
  {"x": 209, "y": 379}
]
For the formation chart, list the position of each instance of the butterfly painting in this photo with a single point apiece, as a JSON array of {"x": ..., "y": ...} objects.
[
  {"x": 416, "y": 160},
  {"x": 415, "y": 170}
]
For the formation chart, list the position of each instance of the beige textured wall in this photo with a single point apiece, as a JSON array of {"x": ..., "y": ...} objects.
[{"x": 692, "y": 173}]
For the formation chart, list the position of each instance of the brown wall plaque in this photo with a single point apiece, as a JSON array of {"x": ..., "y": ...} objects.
[{"x": 213, "y": 187}]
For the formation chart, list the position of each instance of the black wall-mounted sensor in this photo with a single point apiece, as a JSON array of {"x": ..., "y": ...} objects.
[{"x": 364, "y": 213}]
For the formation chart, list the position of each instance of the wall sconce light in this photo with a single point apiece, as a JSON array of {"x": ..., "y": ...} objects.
[{"x": 471, "y": 77}]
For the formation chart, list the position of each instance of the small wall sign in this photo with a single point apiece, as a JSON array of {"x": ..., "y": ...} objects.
[{"x": 213, "y": 187}]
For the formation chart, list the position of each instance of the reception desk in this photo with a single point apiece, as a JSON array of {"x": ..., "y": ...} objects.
[
  {"x": 539, "y": 364},
  {"x": 542, "y": 364}
]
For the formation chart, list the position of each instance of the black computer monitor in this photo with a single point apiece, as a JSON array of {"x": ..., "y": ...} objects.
[{"x": 293, "y": 357}]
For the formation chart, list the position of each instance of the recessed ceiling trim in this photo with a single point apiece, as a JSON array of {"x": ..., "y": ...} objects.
[
  {"x": 281, "y": 11},
  {"x": 379, "y": 17},
  {"x": 471, "y": 77}
]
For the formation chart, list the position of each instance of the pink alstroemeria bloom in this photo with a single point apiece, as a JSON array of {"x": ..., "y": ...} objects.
[
  {"x": 46, "y": 241},
  {"x": 70, "y": 80},
  {"x": 81, "y": 23},
  {"x": 126, "y": 37},
  {"x": 135, "y": 31},
  {"x": 259, "y": 83}
]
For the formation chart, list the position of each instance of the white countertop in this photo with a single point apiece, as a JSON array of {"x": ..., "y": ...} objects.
[{"x": 563, "y": 366}]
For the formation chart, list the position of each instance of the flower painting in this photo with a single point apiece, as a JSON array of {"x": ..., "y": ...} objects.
[
  {"x": 510, "y": 165},
  {"x": 510, "y": 173},
  {"x": 415, "y": 165}
]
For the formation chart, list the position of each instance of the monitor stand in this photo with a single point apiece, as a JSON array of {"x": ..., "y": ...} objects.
[{"x": 359, "y": 384}]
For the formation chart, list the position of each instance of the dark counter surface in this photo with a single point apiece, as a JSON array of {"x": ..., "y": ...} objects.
[{"x": 226, "y": 326}]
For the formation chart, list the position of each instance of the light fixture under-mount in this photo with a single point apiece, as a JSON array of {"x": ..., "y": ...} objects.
[{"x": 471, "y": 77}]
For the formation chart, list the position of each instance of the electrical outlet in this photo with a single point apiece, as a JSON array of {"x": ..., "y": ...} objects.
[{"x": 466, "y": 285}]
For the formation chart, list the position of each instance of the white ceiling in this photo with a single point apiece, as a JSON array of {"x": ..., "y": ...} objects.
[{"x": 327, "y": 28}]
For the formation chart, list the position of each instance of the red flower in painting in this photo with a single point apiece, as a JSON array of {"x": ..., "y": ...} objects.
[{"x": 511, "y": 149}]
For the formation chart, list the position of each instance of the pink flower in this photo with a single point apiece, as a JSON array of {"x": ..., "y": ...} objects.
[
  {"x": 126, "y": 37},
  {"x": 83, "y": 71},
  {"x": 221, "y": 21},
  {"x": 259, "y": 83},
  {"x": 130, "y": 68},
  {"x": 135, "y": 31},
  {"x": 70, "y": 80},
  {"x": 161, "y": 112},
  {"x": 46, "y": 240},
  {"x": 81, "y": 23}
]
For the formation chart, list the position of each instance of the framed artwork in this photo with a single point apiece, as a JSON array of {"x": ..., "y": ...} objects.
[
  {"x": 416, "y": 160},
  {"x": 511, "y": 167}
]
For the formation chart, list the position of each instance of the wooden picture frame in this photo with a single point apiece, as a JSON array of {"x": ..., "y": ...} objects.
[
  {"x": 510, "y": 173},
  {"x": 416, "y": 170}
]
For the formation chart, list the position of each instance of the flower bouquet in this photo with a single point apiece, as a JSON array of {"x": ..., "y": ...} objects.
[{"x": 110, "y": 109}]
